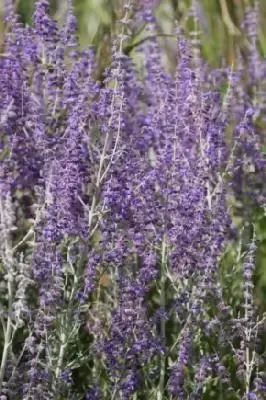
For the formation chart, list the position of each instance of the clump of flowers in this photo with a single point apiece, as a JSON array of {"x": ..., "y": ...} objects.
[{"x": 114, "y": 215}]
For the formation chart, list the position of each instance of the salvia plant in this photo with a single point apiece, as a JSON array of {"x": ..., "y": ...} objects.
[{"x": 118, "y": 200}]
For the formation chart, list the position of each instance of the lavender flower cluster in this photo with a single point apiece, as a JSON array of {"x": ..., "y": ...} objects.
[{"x": 117, "y": 201}]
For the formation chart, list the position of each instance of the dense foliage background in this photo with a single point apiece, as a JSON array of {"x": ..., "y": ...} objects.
[{"x": 133, "y": 263}]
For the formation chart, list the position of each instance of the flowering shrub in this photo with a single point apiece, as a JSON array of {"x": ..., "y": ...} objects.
[{"x": 116, "y": 211}]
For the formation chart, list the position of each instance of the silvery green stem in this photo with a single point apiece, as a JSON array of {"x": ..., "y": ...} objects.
[
  {"x": 8, "y": 333},
  {"x": 63, "y": 346},
  {"x": 160, "y": 394},
  {"x": 8, "y": 261}
]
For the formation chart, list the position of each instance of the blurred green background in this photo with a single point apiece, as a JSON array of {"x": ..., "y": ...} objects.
[{"x": 220, "y": 24}]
